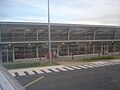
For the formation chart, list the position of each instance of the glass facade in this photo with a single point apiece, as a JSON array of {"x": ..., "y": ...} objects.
[
  {"x": 30, "y": 40},
  {"x": 26, "y": 51},
  {"x": 7, "y": 53}
]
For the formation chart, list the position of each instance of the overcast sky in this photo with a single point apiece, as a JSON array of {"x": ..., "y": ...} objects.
[{"x": 62, "y": 11}]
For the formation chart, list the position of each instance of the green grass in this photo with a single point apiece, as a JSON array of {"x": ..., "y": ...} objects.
[
  {"x": 98, "y": 58},
  {"x": 27, "y": 64}
]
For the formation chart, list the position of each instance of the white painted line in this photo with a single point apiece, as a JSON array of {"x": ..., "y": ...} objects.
[
  {"x": 75, "y": 67},
  {"x": 46, "y": 70},
  {"x": 54, "y": 69},
  {"x": 69, "y": 68},
  {"x": 94, "y": 65},
  {"x": 106, "y": 64},
  {"x": 21, "y": 73},
  {"x": 30, "y": 72},
  {"x": 31, "y": 83},
  {"x": 62, "y": 68},
  {"x": 88, "y": 66},
  {"x": 38, "y": 71},
  {"x": 111, "y": 63},
  {"x": 81, "y": 66},
  {"x": 100, "y": 64},
  {"x": 116, "y": 62},
  {"x": 12, "y": 73}
]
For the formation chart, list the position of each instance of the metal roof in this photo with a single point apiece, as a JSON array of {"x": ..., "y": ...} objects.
[{"x": 60, "y": 24}]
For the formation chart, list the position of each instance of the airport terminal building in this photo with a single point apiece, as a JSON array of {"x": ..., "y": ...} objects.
[{"x": 24, "y": 40}]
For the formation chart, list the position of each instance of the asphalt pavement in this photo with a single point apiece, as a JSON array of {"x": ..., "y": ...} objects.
[{"x": 99, "y": 78}]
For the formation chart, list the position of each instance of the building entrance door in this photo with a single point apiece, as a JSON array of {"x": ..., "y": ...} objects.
[
  {"x": 105, "y": 50},
  {"x": 7, "y": 55}
]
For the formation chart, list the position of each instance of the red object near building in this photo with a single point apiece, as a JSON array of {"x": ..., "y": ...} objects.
[{"x": 47, "y": 55}]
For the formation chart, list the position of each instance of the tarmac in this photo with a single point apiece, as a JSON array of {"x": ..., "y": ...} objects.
[{"x": 7, "y": 81}]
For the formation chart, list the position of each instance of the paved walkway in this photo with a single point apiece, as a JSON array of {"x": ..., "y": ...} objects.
[{"x": 70, "y": 62}]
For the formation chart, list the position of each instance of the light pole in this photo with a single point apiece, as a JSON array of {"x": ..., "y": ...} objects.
[{"x": 49, "y": 34}]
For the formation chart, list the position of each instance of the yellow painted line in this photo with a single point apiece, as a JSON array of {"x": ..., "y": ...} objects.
[{"x": 34, "y": 81}]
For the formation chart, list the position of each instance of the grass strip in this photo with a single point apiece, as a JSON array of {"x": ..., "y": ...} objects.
[{"x": 27, "y": 64}]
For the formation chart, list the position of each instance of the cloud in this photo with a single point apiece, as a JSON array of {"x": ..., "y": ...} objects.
[
  {"x": 42, "y": 4},
  {"x": 26, "y": 19},
  {"x": 77, "y": 11}
]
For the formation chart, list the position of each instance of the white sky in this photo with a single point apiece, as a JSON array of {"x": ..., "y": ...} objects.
[{"x": 62, "y": 11}]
